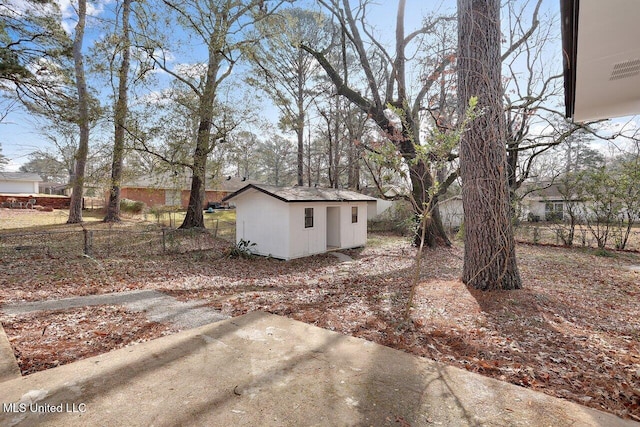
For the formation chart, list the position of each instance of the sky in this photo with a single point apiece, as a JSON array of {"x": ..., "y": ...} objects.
[{"x": 20, "y": 133}]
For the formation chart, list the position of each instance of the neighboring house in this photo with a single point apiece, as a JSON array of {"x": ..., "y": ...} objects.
[
  {"x": 294, "y": 222},
  {"x": 19, "y": 183},
  {"x": 378, "y": 206},
  {"x": 53, "y": 188},
  {"x": 451, "y": 212},
  {"x": 543, "y": 204},
  {"x": 601, "y": 58},
  {"x": 168, "y": 190}
]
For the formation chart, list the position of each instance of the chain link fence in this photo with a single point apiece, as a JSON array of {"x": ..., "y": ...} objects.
[
  {"x": 556, "y": 234},
  {"x": 113, "y": 242}
]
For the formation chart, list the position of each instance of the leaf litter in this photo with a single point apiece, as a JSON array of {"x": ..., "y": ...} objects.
[{"x": 573, "y": 331}]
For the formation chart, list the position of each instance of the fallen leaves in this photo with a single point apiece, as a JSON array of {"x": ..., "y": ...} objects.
[
  {"x": 572, "y": 332},
  {"x": 44, "y": 340}
]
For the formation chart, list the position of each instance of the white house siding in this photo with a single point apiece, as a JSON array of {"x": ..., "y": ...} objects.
[
  {"x": 451, "y": 212},
  {"x": 18, "y": 187},
  {"x": 533, "y": 208},
  {"x": 263, "y": 220},
  {"x": 377, "y": 207}
]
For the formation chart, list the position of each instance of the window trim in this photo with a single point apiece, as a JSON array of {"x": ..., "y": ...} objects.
[
  {"x": 354, "y": 214},
  {"x": 554, "y": 210},
  {"x": 308, "y": 217}
]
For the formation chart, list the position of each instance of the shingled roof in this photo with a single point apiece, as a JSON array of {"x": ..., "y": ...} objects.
[
  {"x": 20, "y": 176},
  {"x": 304, "y": 194}
]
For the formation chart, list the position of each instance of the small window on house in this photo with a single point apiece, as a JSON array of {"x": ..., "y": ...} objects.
[
  {"x": 554, "y": 211},
  {"x": 308, "y": 217},
  {"x": 354, "y": 214}
]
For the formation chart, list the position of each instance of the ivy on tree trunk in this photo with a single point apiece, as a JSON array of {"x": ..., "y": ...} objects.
[{"x": 489, "y": 250}]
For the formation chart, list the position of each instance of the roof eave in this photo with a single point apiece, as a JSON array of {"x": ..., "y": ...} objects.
[{"x": 569, "y": 10}]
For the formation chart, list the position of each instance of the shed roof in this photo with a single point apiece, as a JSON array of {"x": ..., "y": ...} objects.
[
  {"x": 20, "y": 176},
  {"x": 304, "y": 194}
]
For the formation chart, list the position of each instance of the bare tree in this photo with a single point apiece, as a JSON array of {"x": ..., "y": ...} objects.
[
  {"x": 285, "y": 72},
  {"x": 75, "y": 208},
  {"x": 121, "y": 107},
  {"x": 388, "y": 103},
  {"x": 222, "y": 27},
  {"x": 489, "y": 250}
]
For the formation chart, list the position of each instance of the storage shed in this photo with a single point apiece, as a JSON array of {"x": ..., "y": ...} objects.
[{"x": 294, "y": 222}]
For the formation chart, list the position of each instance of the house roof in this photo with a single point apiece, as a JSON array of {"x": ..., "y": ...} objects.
[
  {"x": 168, "y": 181},
  {"x": 546, "y": 191},
  {"x": 304, "y": 194},
  {"x": 20, "y": 176},
  {"x": 601, "y": 58}
]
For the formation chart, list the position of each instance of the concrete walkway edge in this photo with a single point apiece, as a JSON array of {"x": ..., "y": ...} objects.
[
  {"x": 267, "y": 370},
  {"x": 9, "y": 368}
]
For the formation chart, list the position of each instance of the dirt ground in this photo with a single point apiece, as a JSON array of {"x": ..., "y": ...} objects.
[{"x": 573, "y": 331}]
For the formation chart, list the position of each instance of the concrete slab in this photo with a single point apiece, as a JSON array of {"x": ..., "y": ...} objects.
[
  {"x": 341, "y": 257},
  {"x": 9, "y": 368},
  {"x": 157, "y": 306},
  {"x": 266, "y": 370},
  {"x": 118, "y": 298},
  {"x": 182, "y": 315}
]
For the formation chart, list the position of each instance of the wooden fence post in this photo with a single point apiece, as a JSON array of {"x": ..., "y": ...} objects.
[{"x": 88, "y": 241}]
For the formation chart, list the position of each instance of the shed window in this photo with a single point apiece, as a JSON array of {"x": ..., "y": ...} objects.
[
  {"x": 354, "y": 214},
  {"x": 308, "y": 217}
]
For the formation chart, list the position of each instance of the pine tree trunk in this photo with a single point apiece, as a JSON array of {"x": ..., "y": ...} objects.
[
  {"x": 75, "y": 208},
  {"x": 113, "y": 207},
  {"x": 489, "y": 253}
]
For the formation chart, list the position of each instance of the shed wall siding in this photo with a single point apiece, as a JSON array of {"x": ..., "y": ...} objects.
[
  {"x": 356, "y": 232},
  {"x": 263, "y": 220},
  {"x": 307, "y": 241}
]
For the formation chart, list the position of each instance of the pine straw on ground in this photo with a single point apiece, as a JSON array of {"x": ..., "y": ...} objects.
[
  {"x": 44, "y": 340},
  {"x": 573, "y": 331}
]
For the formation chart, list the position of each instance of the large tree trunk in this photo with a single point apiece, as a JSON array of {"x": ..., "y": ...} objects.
[
  {"x": 113, "y": 208},
  {"x": 489, "y": 252},
  {"x": 422, "y": 182},
  {"x": 194, "y": 217},
  {"x": 75, "y": 209}
]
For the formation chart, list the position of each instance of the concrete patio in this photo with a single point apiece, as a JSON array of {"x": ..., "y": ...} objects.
[{"x": 262, "y": 369}]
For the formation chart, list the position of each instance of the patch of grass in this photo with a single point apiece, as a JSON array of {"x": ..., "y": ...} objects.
[
  {"x": 175, "y": 218},
  {"x": 15, "y": 219},
  {"x": 604, "y": 253}
]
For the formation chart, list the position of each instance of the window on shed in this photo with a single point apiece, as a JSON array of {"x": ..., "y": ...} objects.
[
  {"x": 308, "y": 217},
  {"x": 354, "y": 214}
]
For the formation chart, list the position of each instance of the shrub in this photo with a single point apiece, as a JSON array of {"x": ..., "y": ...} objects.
[
  {"x": 242, "y": 249},
  {"x": 131, "y": 206},
  {"x": 397, "y": 219}
]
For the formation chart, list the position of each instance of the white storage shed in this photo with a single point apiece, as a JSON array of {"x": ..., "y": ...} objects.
[{"x": 294, "y": 222}]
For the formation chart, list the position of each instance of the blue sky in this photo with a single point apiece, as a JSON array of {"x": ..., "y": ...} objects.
[{"x": 19, "y": 133}]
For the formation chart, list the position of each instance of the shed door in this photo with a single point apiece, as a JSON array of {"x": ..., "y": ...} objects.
[{"x": 333, "y": 227}]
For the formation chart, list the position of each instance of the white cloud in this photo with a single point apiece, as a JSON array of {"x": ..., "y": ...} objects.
[{"x": 69, "y": 15}]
